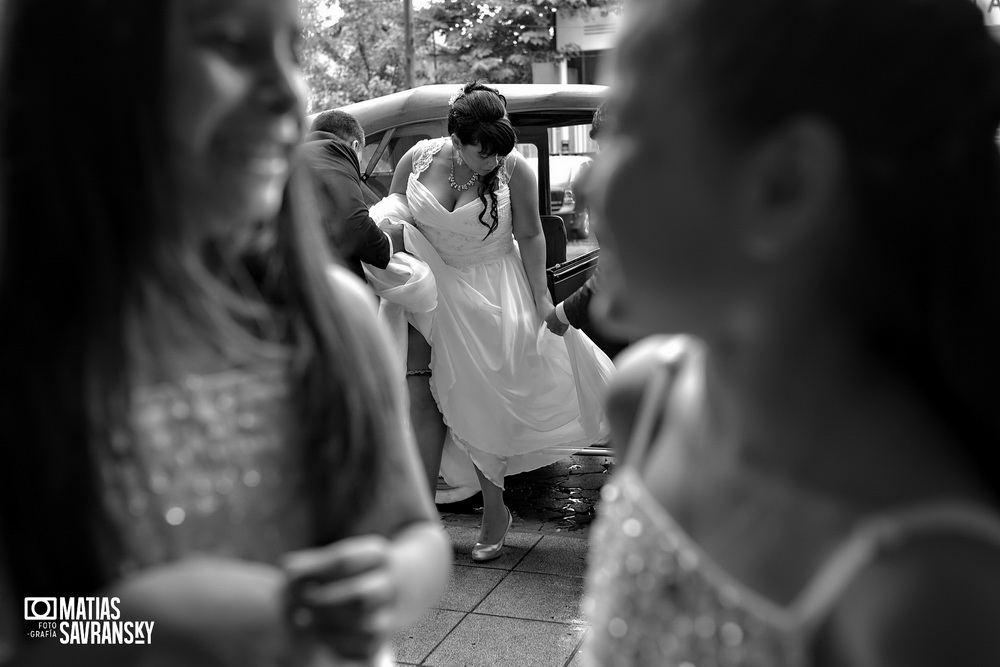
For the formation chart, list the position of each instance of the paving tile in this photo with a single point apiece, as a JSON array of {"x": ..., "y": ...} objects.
[
  {"x": 468, "y": 587},
  {"x": 489, "y": 641},
  {"x": 540, "y": 597},
  {"x": 577, "y": 660},
  {"x": 415, "y": 643},
  {"x": 565, "y": 556},
  {"x": 517, "y": 544}
]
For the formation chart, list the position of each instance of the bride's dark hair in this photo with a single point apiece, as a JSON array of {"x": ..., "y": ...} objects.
[{"x": 479, "y": 116}]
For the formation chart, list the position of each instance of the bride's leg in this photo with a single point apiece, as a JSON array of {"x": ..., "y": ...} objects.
[
  {"x": 428, "y": 428},
  {"x": 494, "y": 511},
  {"x": 428, "y": 425}
]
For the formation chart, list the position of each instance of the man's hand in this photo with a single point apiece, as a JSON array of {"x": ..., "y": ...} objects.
[
  {"x": 395, "y": 232},
  {"x": 554, "y": 324}
]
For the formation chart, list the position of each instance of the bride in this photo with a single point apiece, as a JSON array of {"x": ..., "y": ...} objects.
[{"x": 514, "y": 396}]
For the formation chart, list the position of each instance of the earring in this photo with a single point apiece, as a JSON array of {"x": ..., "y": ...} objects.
[{"x": 458, "y": 155}]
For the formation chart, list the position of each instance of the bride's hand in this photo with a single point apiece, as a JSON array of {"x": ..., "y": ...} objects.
[{"x": 544, "y": 308}]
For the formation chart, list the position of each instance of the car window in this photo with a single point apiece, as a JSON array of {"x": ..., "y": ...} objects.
[
  {"x": 402, "y": 139},
  {"x": 571, "y": 140},
  {"x": 564, "y": 169},
  {"x": 530, "y": 152},
  {"x": 571, "y": 151},
  {"x": 383, "y": 165}
]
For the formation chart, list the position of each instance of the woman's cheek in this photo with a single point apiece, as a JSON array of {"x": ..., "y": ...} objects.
[{"x": 625, "y": 206}]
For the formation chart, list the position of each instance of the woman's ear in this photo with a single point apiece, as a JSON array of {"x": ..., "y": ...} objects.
[{"x": 794, "y": 183}]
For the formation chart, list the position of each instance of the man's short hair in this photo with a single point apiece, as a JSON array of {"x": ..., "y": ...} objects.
[{"x": 340, "y": 123}]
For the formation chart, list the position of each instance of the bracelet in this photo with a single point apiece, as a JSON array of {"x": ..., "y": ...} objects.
[{"x": 420, "y": 372}]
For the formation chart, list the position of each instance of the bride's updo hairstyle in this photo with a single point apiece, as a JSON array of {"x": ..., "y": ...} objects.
[
  {"x": 478, "y": 115},
  {"x": 912, "y": 90}
]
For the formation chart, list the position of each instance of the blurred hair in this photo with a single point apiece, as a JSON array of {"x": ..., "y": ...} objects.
[
  {"x": 91, "y": 251},
  {"x": 912, "y": 88},
  {"x": 340, "y": 123},
  {"x": 479, "y": 116}
]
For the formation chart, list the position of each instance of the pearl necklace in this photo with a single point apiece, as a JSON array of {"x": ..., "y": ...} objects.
[{"x": 466, "y": 186}]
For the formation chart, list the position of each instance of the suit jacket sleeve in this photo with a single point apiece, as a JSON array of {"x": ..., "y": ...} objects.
[
  {"x": 369, "y": 243},
  {"x": 345, "y": 214},
  {"x": 577, "y": 305}
]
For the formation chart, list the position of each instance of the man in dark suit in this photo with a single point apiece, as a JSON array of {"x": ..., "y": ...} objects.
[
  {"x": 332, "y": 153},
  {"x": 574, "y": 310}
]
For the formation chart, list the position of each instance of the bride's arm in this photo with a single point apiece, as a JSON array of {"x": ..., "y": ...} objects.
[
  {"x": 528, "y": 230},
  {"x": 402, "y": 174},
  {"x": 394, "y": 209}
]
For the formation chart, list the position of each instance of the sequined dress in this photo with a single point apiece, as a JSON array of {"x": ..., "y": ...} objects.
[
  {"x": 207, "y": 469},
  {"x": 654, "y": 597},
  {"x": 514, "y": 396}
]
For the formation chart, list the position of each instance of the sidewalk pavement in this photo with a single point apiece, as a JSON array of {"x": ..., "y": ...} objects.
[{"x": 522, "y": 609}]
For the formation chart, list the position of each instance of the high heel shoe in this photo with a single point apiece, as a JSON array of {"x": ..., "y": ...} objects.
[{"x": 484, "y": 552}]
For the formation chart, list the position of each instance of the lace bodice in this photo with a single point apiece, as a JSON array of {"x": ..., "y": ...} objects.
[
  {"x": 211, "y": 469},
  {"x": 458, "y": 236}
]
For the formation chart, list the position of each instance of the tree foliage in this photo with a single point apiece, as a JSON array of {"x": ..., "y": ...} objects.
[
  {"x": 357, "y": 56},
  {"x": 354, "y": 49},
  {"x": 497, "y": 40}
]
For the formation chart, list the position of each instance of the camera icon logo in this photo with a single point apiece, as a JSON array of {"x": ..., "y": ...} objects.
[{"x": 41, "y": 609}]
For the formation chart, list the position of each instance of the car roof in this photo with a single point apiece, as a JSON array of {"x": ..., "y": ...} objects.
[{"x": 427, "y": 103}]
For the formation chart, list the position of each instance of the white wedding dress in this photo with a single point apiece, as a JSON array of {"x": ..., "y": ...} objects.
[{"x": 515, "y": 396}]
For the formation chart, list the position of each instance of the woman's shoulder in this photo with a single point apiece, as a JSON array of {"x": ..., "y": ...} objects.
[
  {"x": 514, "y": 168},
  {"x": 640, "y": 361},
  {"x": 423, "y": 152},
  {"x": 431, "y": 144},
  {"x": 636, "y": 369},
  {"x": 356, "y": 294}
]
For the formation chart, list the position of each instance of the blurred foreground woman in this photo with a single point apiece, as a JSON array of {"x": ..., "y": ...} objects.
[
  {"x": 813, "y": 477},
  {"x": 195, "y": 417}
]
